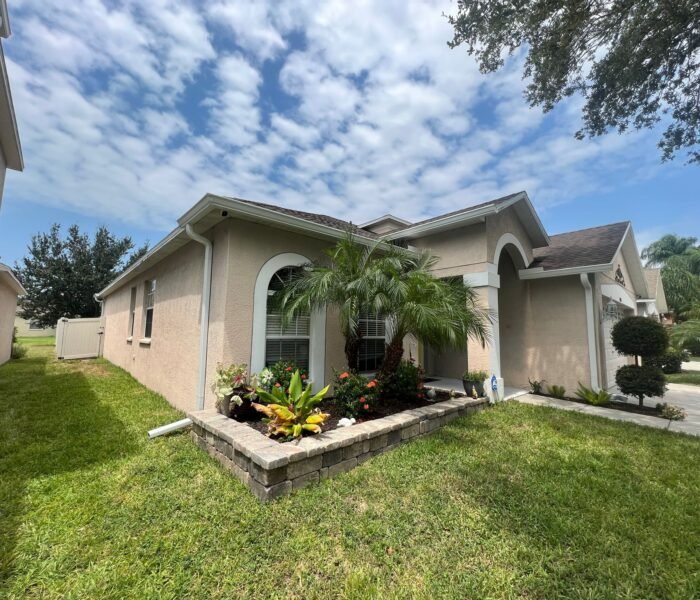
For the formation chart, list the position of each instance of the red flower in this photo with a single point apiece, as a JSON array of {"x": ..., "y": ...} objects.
[
  {"x": 288, "y": 369},
  {"x": 277, "y": 385},
  {"x": 303, "y": 376},
  {"x": 366, "y": 406},
  {"x": 344, "y": 375},
  {"x": 362, "y": 399},
  {"x": 372, "y": 384}
]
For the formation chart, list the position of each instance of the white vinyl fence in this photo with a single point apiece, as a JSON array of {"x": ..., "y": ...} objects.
[{"x": 78, "y": 338}]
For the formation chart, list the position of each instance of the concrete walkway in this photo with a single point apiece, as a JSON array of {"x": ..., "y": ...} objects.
[
  {"x": 685, "y": 396},
  {"x": 693, "y": 365}
]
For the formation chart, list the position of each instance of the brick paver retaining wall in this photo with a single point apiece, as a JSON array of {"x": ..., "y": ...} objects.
[{"x": 271, "y": 469}]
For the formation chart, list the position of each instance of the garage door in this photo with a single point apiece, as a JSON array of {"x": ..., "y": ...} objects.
[{"x": 613, "y": 361}]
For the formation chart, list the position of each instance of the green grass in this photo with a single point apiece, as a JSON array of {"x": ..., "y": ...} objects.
[
  {"x": 516, "y": 501},
  {"x": 46, "y": 340},
  {"x": 687, "y": 377}
]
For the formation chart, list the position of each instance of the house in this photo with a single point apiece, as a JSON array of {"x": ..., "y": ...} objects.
[
  {"x": 10, "y": 147},
  {"x": 10, "y": 288},
  {"x": 26, "y": 328},
  {"x": 200, "y": 296}
]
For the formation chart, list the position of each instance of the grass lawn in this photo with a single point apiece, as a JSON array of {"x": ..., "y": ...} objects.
[
  {"x": 687, "y": 377},
  {"x": 46, "y": 340},
  {"x": 516, "y": 501}
]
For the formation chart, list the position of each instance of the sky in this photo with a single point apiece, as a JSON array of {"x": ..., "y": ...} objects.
[{"x": 130, "y": 111}]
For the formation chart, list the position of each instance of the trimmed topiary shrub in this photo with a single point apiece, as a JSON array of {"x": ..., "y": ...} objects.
[
  {"x": 640, "y": 336},
  {"x": 406, "y": 383},
  {"x": 641, "y": 381},
  {"x": 669, "y": 362}
]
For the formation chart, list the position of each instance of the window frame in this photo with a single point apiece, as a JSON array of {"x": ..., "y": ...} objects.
[
  {"x": 149, "y": 294},
  {"x": 379, "y": 322},
  {"x": 132, "y": 313}
]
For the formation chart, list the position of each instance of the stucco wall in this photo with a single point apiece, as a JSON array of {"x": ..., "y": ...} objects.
[
  {"x": 8, "y": 308},
  {"x": 383, "y": 227},
  {"x": 609, "y": 277},
  {"x": 3, "y": 172},
  {"x": 543, "y": 330},
  {"x": 169, "y": 364},
  {"x": 23, "y": 329},
  {"x": 506, "y": 222},
  {"x": 460, "y": 250}
]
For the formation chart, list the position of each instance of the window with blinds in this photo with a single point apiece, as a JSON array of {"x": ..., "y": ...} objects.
[
  {"x": 289, "y": 343},
  {"x": 373, "y": 330}
]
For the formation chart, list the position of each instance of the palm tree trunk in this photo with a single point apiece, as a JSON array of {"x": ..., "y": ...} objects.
[
  {"x": 392, "y": 357},
  {"x": 352, "y": 352}
]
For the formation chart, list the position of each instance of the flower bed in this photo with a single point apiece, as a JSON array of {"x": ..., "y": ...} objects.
[
  {"x": 652, "y": 411},
  {"x": 271, "y": 469}
]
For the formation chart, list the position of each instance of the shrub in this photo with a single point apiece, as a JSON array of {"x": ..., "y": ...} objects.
[
  {"x": 406, "y": 383},
  {"x": 592, "y": 397},
  {"x": 640, "y": 336},
  {"x": 355, "y": 393},
  {"x": 669, "y": 362},
  {"x": 536, "y": 386},
  {"x": 291, "y": 413},
  {"x": 641, "y": 381},
  {"x": 479, "y": 376},
  {"x": 670, "y": 412},
  {"x": 558, "y": 391},
  {"x": 282, "y": 372},
  {"x": 693, "y": 346},
  {"x": 18, "y": 351}
]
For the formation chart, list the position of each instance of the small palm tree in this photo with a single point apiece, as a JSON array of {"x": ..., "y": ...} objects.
[
  {"x": 346, "y": 279},
  {"x": 442, "y": 313}
]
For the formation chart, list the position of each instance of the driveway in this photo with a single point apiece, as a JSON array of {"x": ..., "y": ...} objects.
[{"x": 685, "y": 396}]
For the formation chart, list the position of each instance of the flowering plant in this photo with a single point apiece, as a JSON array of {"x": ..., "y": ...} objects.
[
  {"x": 282, "y": 372},
  {"x": 355, "y": 393},
  {"x": 228, "y": 379}
]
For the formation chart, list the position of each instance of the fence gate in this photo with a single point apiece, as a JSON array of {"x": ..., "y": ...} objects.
[{"x": 78, "y": 338}]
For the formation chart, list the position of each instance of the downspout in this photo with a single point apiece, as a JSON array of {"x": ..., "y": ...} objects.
[
  {"x": 203, "y": 334},
  {"x": 590, "y": 325}
]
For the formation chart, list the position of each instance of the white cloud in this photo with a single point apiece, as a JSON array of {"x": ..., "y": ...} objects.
[{"x": 134, "y": 110}]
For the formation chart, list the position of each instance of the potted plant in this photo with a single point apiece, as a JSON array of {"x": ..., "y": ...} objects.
[
  {"x": 234, "y": 394},
  {"x": 474, "y": 380}
]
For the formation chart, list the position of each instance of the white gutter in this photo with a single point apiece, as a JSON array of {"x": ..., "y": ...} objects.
[
  {"x": 203, "y": 334},
  {"x": 590, "y": 322}
]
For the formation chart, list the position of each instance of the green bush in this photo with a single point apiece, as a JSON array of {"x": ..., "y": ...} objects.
[
  {"x": 669, "y": 362},
  {"x": 355, "y": 393},
  {"x": 641, "y": 381},
  {"x": 18, "y": 351},
  {"x": 282, "y": 372},
  {"x": 406, "y": 383},
  {"x": 536, "y": 386},
  {"x": 590, "y": 396},
  {"x": 558, "y": 391},
  {"x": 692, "y": 346},
  {"x": 640, "y": 336}
]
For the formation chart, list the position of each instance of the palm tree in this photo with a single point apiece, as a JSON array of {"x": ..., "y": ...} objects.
[
  {"x": 344, "y": 279},
  {"x": 658, "y": 252},
  {"x": 442, "y": 313}
]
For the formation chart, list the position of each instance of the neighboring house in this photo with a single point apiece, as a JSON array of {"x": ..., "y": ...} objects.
[
  {"x": 10, "y": 288},
  {"x": 555, "y": 297},
  {"x": 26, "y": 328},
  {"x": 10, "y": 147}
]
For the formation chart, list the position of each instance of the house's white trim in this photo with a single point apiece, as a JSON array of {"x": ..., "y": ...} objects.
[
  {"x": 9, "y": 278},
  {"x": 384, "y": 218},
  {"x": 618, "y": 293},
  {"x": 9, "y": 133},
  {"x": 504, "y": 240},
  {"x": 590, "y": 326},
  {"x": 495, "y": 345},
  {"x": 5, "y": 30},
  {"x": 540, "y": 273},
  {"x": 317, "y": 328}
]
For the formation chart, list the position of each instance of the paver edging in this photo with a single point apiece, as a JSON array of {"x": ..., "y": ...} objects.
[{"x": 270, "y": 469}]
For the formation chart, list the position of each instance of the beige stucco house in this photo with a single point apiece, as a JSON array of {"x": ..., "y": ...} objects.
[
  {"x": 10, "y": 289},
  {"x": 27, "y": 328},
  {"x": 199, "y": 297},
  {"x": 10, "y": 147}
]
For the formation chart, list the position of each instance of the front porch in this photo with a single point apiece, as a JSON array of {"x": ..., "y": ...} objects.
[{"x": 447, "y": 384}]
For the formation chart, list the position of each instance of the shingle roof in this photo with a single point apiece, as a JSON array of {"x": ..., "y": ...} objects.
[
  {"x": 464, "y": 209},
  {"x": 315, "y": 218},
  {"x": 583, "y": 248}
]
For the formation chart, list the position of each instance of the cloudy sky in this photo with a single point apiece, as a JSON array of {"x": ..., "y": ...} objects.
[{"x": 130, "y": 111}]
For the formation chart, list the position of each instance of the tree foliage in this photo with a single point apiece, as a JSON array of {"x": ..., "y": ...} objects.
[
  {"x": 679, "y": 259},
  {"x": 640, "y": 336},
  {"x": 633, "y": 61},
  {"x": 641, "y": 381},
  {"x": 61, "y": 275}
]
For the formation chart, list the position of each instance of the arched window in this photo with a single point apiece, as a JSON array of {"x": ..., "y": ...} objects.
[{"x": 291, "y": 342}]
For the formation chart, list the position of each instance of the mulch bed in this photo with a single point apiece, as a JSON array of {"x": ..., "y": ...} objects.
[
  {"x": 383, "y": 408},
  {"x": 650, "y": 411}
]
